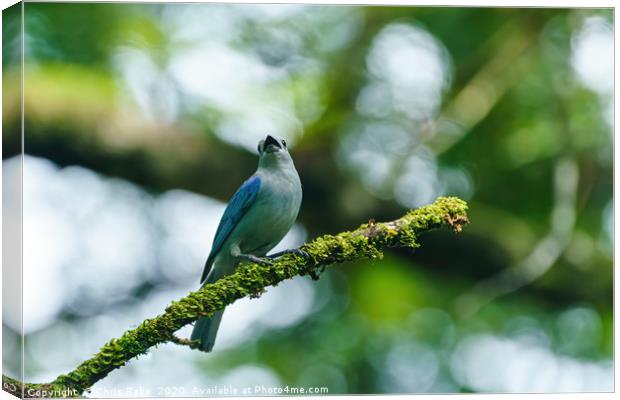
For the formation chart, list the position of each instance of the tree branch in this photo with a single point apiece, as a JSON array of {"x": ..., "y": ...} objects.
[{"x": 367, "y": 241}]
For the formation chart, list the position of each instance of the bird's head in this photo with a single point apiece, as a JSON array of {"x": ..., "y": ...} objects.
[
  {"x": 272, "y": 151},
  {"x": 271, "y": 145}
]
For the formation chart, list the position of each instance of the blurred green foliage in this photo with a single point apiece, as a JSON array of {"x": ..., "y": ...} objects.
[{"x": 385, "y": 108}]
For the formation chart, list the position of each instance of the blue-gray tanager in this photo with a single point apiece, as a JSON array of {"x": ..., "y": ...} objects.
[{"x": 257, "y": 217}]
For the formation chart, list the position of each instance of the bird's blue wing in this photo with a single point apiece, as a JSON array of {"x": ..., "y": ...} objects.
[{"x": 241, "y": 201}]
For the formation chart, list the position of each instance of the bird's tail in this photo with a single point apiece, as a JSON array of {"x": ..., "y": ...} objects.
[{"x": 205, "y": 330}]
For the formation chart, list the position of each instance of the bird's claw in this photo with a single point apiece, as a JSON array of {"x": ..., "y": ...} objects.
[
  {"x": 302, "y": 253},
  {"x": 257, "y": 260},
  {"x": 298, "y": 252},
  {"x": 263, "y": 261}
]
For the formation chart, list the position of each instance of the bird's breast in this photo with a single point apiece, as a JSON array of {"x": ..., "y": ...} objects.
[{"x": 272, "y": 216}]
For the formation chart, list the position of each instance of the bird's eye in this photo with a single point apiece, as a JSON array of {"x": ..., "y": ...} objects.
[{"x": 283, "y": 142}]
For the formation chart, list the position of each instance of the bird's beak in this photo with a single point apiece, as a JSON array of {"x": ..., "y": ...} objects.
[{"x": 271, "y": 140}]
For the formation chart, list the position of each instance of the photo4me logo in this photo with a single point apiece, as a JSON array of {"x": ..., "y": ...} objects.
[
  {"x": 253, "y": 390},
  {"x": 289, "y": 390}
]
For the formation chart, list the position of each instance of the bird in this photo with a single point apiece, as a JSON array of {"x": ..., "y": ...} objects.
[{"x": 257, "y": 217}]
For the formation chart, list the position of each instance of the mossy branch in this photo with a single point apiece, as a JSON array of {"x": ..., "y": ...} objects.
[{"x": 367, "y": 241}]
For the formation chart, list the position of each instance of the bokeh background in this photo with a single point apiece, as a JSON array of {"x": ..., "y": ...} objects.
[{"x": 141, "y": 120}]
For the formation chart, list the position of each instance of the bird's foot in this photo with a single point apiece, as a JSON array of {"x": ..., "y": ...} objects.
[
  {"x": 314, "y": 273},
  {"x": 254, "y": 259},
  {"x": 298, "y": 252}
]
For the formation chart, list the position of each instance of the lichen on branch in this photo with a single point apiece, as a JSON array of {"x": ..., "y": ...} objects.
[{"x": 368, "y": 241}]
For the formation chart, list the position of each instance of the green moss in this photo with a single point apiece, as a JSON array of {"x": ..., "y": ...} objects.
[{"x": 366, "y": 242}]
